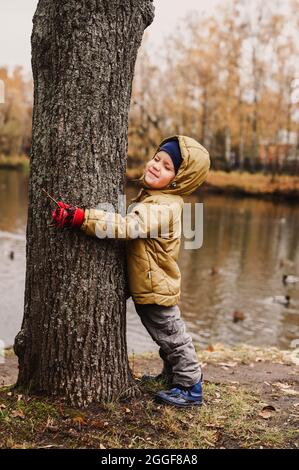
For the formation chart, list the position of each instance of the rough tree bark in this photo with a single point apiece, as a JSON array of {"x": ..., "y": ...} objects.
[{"x": 73, "y": 338}]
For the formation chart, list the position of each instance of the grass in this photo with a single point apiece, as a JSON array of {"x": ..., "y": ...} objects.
[{"x": 229, "y": 418}]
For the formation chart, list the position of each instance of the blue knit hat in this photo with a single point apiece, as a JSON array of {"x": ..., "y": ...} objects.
[{"x": 173, "y": 150}]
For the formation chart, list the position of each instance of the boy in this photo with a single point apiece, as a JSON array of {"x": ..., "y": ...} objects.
[{"x": 152, "y": 229}]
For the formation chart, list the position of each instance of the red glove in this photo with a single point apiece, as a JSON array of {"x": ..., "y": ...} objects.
[{"x": 67, "y": 216}]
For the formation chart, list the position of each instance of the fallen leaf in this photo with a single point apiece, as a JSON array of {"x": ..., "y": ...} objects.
[
  {"x": 102, "y": 446},
  {"x": 291, "y": 392},
  {"x": 2, "y": 406},
  {"x": 97, "y": 423},
  {"x": 18, "y": 414},
  {"x": 267, "y": 412},
  {"x": 228, "y": 364},
  {"x": 49, "y": 446},
  {"x": 281, "y": 385},
  {"x": 127, "y": 410},
  {"x": 19, "y": 397},
  {"x": 210, "y": 348},
  {"x": 214, "y": 426},
  {"x": 9, "y": 394},
  {"x": 50, "y": 422},
  {"x": 79, "y": 421},
  {"x": 285, "y": 388}
]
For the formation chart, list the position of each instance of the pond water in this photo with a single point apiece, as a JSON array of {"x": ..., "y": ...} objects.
[{"x": 248, "y": 244}]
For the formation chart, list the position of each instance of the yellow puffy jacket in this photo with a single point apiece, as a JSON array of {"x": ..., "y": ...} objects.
[{"x": 152, "y": 228}]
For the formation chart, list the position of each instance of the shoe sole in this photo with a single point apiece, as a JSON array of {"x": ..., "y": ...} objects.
[{"x": 177, "y": 405}]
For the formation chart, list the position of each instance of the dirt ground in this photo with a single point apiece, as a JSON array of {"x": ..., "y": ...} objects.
[
  {"x": 251, "y": 401},
  {"x": 269, "y": 379},
  {"x": 259, "y": 374}
]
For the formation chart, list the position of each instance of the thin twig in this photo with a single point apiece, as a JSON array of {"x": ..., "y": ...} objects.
[{"x": 43, "y": 189}]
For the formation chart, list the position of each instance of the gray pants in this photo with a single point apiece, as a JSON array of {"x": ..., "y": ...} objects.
[{"x": 167, "y": 329}]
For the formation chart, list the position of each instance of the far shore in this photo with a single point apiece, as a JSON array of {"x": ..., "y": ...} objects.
[
  {"x": 14, "y": 162},
  {"x": 260, "y": 185}
]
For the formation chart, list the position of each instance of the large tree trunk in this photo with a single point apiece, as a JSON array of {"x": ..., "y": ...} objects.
[{"x": 73, "y": 337}]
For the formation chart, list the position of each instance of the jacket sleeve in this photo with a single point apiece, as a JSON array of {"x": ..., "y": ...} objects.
[{"x": 143, "y": 221}]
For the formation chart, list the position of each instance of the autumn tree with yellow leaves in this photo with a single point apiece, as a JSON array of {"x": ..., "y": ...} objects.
[
  {"x": 227, "y": 80},
  {"x": 230, "y": 80},
  {"x": 15, "y": 112}
]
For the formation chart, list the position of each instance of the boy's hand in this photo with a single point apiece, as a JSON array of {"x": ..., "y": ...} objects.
[{"x": 67, "y": 216}]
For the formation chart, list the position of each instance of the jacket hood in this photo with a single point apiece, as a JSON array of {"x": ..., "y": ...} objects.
[{"x": 192, "y": 172}]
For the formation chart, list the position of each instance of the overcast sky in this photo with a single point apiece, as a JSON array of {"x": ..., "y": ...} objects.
[{"x": 16, "y": 24}]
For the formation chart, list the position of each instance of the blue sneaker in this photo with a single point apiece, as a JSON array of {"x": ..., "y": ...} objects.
[{"x": 181, "y": 397}]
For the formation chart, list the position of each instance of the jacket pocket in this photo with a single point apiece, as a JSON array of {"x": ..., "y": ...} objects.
[
  {"x": 140, "y": 277},
  {"x": 159, "y": 282}
]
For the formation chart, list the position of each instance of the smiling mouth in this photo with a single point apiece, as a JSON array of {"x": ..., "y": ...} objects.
[{"x": 153, "y": 174}]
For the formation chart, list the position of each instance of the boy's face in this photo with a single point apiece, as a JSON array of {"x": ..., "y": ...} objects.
[{"x": 159, "y": 171}]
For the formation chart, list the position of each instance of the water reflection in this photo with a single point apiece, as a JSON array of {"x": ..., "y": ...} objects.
[
  {"x": 244, "y": 241},
  {"x": 13, "y": 216}
]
